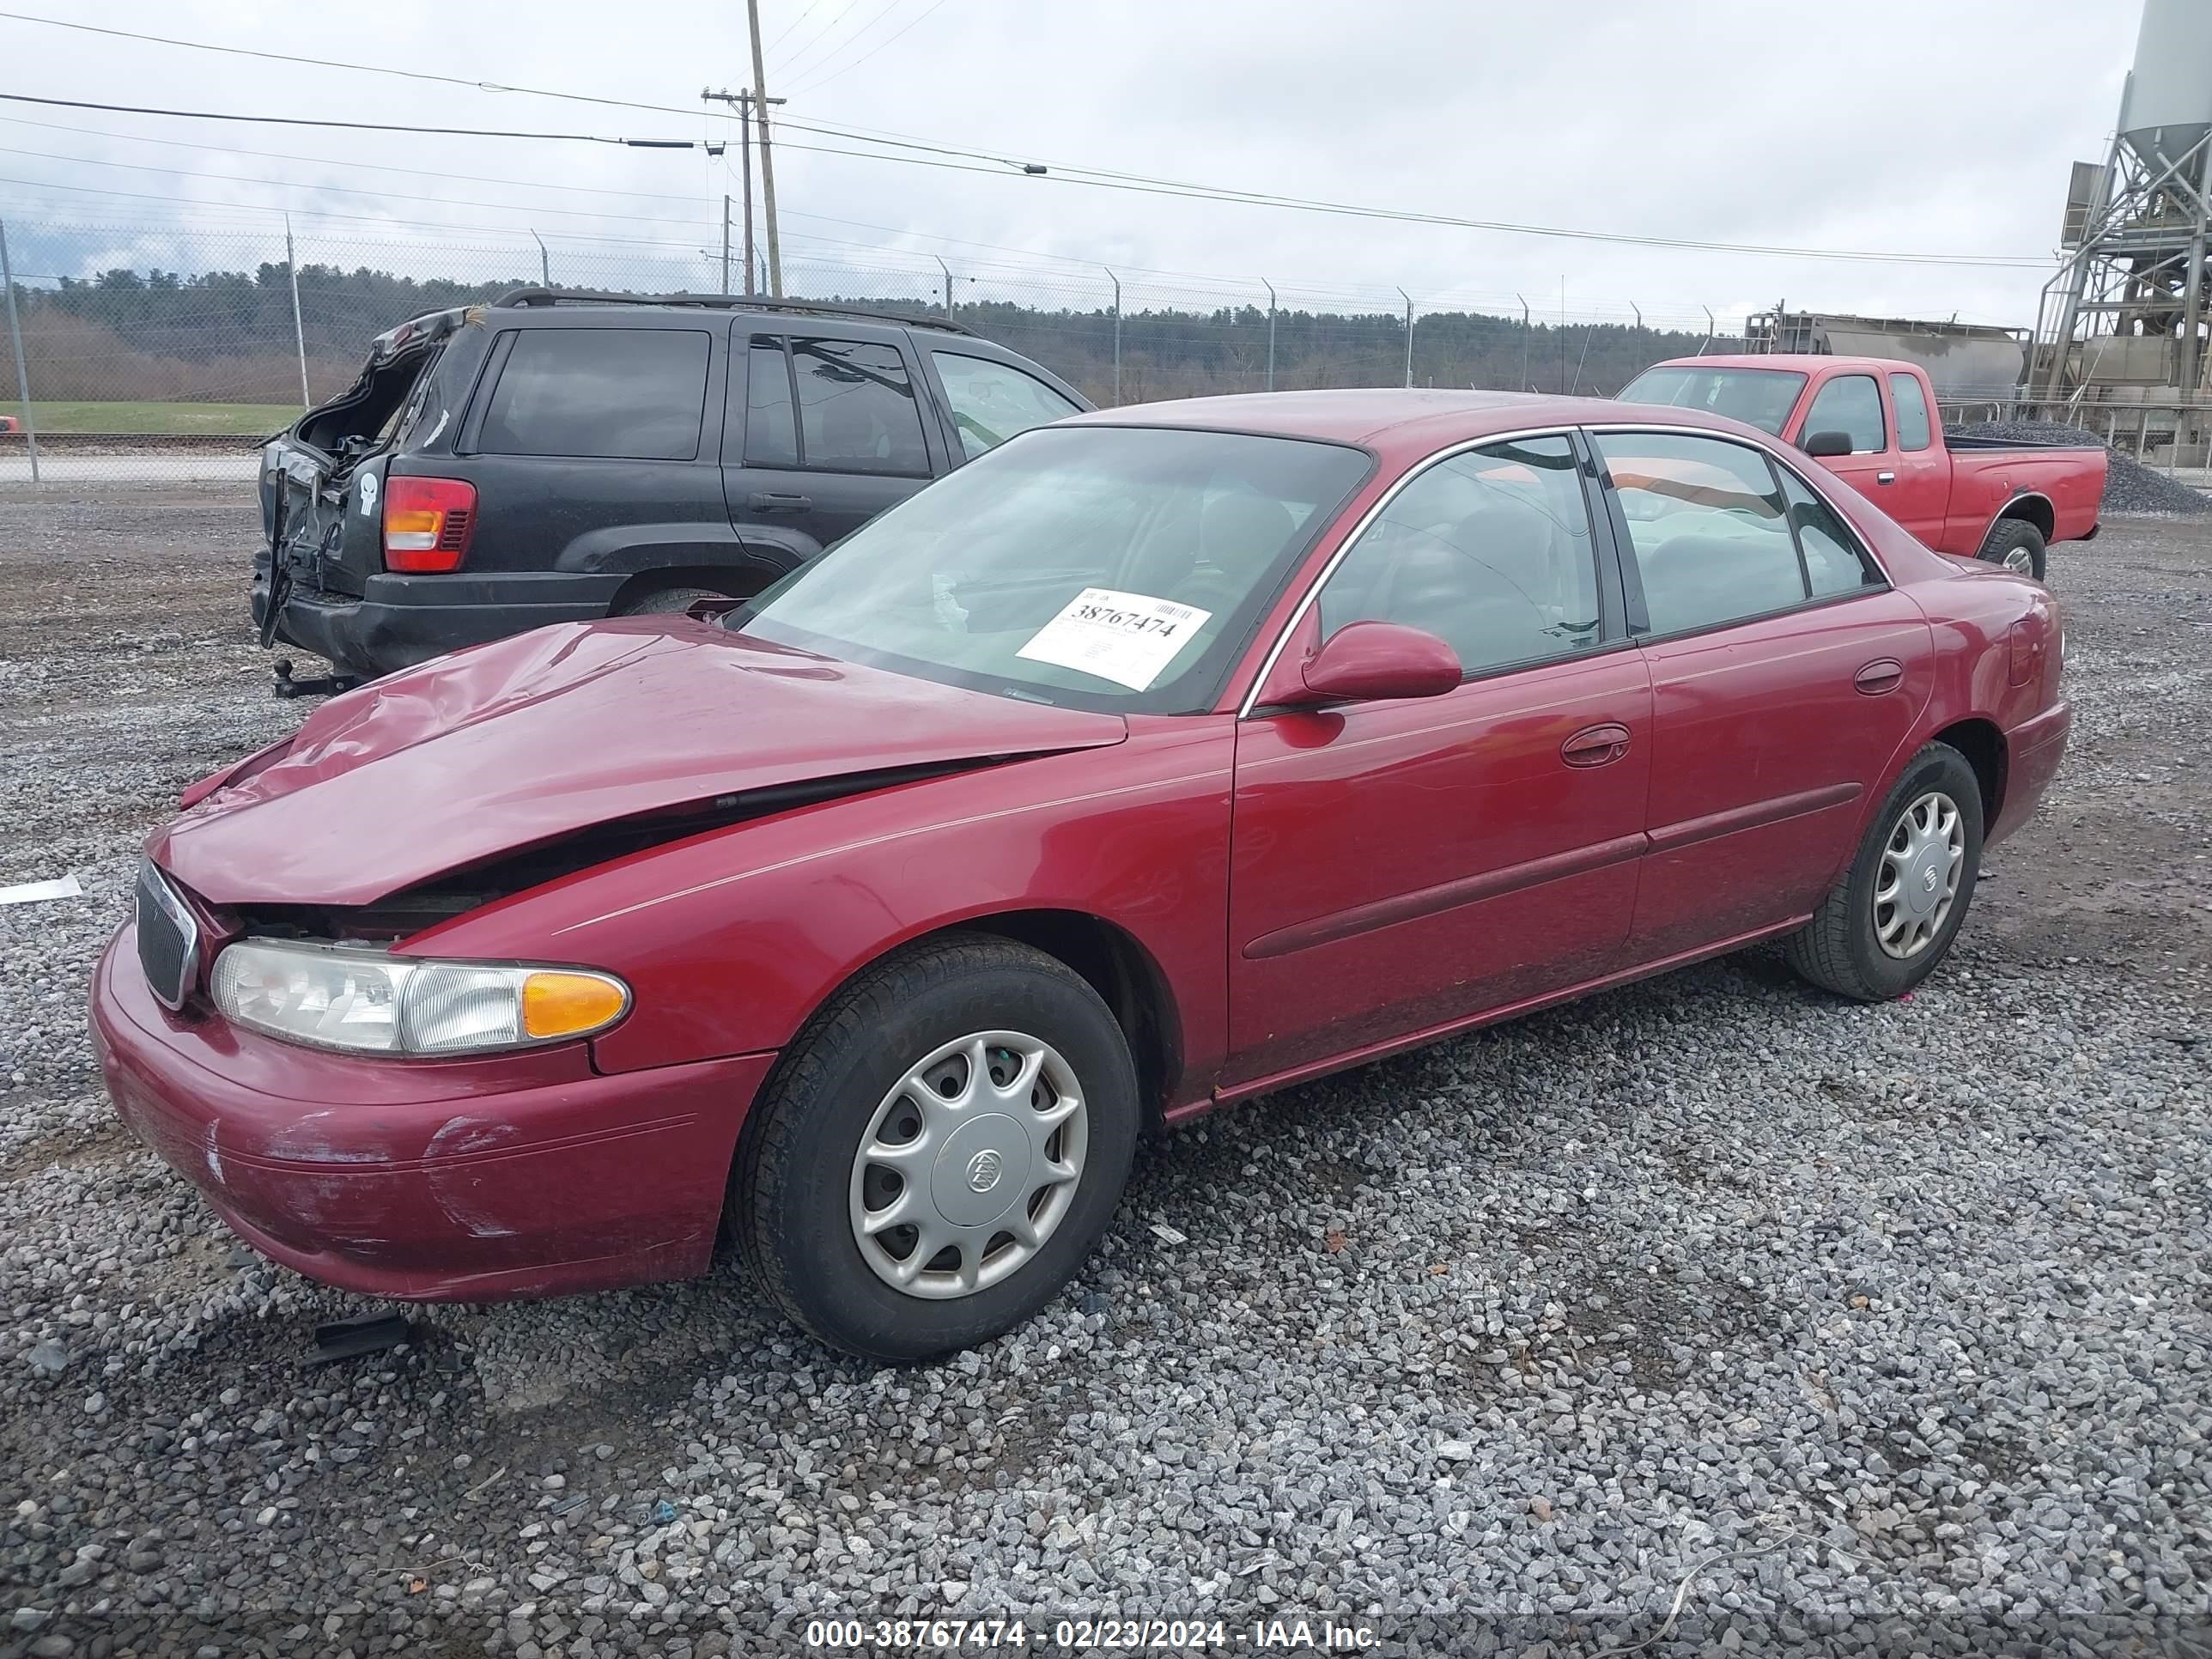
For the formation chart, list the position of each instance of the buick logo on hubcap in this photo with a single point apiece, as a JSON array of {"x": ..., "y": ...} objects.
[
  {"x": 1928, "y": 878},
  {"x": 983, "y": 1171}
]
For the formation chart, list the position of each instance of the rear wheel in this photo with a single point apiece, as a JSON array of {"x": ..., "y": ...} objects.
[
  {"x": 938, "y": 1151},
  {"x": 662, "y": 601},
  {"x": 1892, "y": 917},
  {"x": 2017, "y": 545}
]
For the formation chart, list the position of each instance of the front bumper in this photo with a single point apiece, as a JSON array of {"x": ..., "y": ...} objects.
[
  {"x": 401, "y": 620},
  {"x": 438, "y": 1180}
]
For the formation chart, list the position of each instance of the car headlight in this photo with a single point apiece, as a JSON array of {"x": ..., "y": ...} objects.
[{"x": 368, "y": 1002}]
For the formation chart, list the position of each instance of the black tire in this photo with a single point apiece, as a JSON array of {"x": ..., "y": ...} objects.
[
  {"x": 2010, "y": 538},
  {"x": 790, "y": 1193},
  {"x": 1838, "y": 949},
  {"x": 665, "y": 601}
]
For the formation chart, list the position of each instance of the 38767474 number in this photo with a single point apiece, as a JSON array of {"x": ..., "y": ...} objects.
[{"x": 945, "y": 1635}]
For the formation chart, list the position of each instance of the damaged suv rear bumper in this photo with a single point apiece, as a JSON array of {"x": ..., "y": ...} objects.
[
  {"x": 507, "y": 1175},
  {"x": 402, "y": 620}
]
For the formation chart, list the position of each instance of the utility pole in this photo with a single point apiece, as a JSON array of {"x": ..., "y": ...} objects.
[
  {"x": 767, "y": 161},
  {"x": 744, "y": 101},
  {"x": 726, "y": 245}
]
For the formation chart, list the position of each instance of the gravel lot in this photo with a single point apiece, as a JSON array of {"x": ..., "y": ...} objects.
[{"x": 1897, "y": 1321}]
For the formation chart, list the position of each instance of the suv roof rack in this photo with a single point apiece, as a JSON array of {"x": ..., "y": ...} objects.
[{"x": 523, "y": 298}]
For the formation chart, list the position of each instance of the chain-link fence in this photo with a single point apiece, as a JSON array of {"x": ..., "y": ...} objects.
[{"x": 147, "y": 352}]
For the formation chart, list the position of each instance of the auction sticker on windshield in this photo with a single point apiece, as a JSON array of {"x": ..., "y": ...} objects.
[{"x": 1128, "y": 638}]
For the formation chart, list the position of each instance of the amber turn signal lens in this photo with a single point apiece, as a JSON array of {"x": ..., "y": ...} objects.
[{"x": 567, "y": 1004}]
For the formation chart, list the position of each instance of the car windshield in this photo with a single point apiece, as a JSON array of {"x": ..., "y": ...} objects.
[
  {"x": 1099, "y": 566},
  {"x": 1758, "y": 396}
]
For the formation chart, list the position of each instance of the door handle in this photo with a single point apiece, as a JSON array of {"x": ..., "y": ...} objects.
[
  {"x": 770, "y": 500},
  {"x": 1596, "y": 745},
  {"x": 1885, "y": 477},
  {"x": 1883, "y": 674}
]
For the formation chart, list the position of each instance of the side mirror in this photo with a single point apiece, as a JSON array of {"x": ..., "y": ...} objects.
[
  {"x": 1821, "y": 444},
  {"x": 1377, "y": 661}
]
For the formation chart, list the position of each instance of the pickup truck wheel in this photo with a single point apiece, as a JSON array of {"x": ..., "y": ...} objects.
[
  {"x": 2017, "y": 545},
  {"x": 665, "y": 601},
  {"x": 938, "y": 1151},
  {"x": 1891, "y": 919}
]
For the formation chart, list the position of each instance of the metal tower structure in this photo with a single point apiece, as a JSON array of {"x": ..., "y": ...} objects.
[{"x": 2130, "y": 305}]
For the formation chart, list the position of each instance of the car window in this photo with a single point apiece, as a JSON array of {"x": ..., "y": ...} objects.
[
  {"x": 856, "y": 408},
  {"x": 1490, "y": 551},
  {"x": 992, "y": 401},
  {"x": 771, "y": 434},
  {"x": 1705, "y": 520},
  {"x": 624, "y": 393},
  {"x": 1852, "y": 404},
  {"x": 1834, "y": 562},
  {"x": 1912, "y": 425}
]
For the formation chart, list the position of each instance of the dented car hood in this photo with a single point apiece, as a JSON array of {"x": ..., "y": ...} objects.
[{"x": 553, "y": 732}]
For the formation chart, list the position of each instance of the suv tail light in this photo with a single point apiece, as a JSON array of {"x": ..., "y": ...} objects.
[{"x": 427, "y": 523}]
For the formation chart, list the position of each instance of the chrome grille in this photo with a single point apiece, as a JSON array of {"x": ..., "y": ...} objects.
[{"x": 168, "y": 937}]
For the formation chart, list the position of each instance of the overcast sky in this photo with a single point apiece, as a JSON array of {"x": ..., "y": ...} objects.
[{"x": 1918, "y": 126}]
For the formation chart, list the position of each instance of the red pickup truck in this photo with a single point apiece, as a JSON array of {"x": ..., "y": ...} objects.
[{"x": 1871, "y": 421}]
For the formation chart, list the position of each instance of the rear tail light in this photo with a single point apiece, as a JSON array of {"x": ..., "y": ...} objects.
[{"x": 427, "y": 523}]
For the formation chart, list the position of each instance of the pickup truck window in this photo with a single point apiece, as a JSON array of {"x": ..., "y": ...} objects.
[
  {"x": 1912, "y": 424},
  {"x": 632, "y": 394},
  {"x": 992, "y": 401},
  {"x": 1758, "y": 396},
  {"x": 1706, "y": 520},
  {"x": 1852, "y": 404},
  {"x": 856, "y": 408}
]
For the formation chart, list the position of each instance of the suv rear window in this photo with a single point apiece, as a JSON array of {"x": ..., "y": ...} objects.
[{"x": 631, "y": 394}]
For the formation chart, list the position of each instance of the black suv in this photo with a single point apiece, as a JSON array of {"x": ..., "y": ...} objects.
[{"x": 556, "y": 456}]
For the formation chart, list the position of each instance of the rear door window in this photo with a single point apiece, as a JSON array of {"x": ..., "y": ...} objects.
[
  {"x": 1912, "y": 403},
  {"x": 1707, "y": 524},
  {"x": 771, "y": 432},
  {"x": 618, "y": 393},
  {"x": 857, "y": 411},
  {"x": 1852, "y": 404}
]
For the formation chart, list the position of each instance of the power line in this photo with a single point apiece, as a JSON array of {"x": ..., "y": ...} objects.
[
  {"x": 815, "y": 81},
  {"x": 367, "y": 126},
  {"x": 834, "y": 44},
  {"x": 1098, "y": 178},
  {"x": 338, "y": 161},
  {"x": 858, "y": 33},
  {"x": 347, "y": 190}
]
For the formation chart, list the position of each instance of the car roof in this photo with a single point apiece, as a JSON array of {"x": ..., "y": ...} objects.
[
  {"x": 1394, "y": 420},
  {"x": 1803, "y": 363}
]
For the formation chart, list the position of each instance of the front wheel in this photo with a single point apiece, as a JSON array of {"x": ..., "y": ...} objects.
[
  {"x": 1892, "y": 917},
  {"x": 938, "y": 1151},
  {"x": 2017, "y": 545}
]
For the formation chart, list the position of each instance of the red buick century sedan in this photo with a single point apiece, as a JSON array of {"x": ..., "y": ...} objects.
[{"x": 1158, "y": 758}]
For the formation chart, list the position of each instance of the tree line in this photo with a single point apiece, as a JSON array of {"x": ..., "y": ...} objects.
[{"x": 228, "y": 336}]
